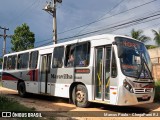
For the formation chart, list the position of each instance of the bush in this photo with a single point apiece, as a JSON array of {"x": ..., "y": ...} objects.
[{"x": 157, "y": 91}]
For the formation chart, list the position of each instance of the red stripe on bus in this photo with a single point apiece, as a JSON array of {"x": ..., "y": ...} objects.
[
  {"x": 5, "y": 77},
  {"x": 112, "y": 88},
  {"x": 33, "y": 75}
]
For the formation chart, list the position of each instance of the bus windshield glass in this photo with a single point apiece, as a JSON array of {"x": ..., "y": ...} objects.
[{"x": 134, "y": 58}]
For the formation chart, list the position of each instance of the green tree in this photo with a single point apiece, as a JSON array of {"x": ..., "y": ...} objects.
[
  {"x": 23, "y": 38},
  {"x": 157, "y": 36},
  {"x": 139, "y": 35},
  {"x": 151, "y": 46}
]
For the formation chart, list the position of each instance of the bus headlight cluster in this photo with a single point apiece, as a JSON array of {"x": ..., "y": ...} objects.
[{"x": 128, "y": 86}]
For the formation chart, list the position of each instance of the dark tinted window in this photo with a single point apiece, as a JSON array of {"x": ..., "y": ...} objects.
[
  {"x": 33, "y": 59},
  {"x": 78, "y": 55},
  {"x": 23, "y": 61},
  {"x": 11, "y": 62},
  {"x": 58, "y": 54}
]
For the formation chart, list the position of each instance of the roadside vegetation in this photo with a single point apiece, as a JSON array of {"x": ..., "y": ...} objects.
[
  {"x": 157, "y": 91},
  {"x": 9, "y": 104}
]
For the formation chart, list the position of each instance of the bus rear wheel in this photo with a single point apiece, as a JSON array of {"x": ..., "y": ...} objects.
[
  {"x": 80, "y": 96},
  {"x": 22, "y": 89}
]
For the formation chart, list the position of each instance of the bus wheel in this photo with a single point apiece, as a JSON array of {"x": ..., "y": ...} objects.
[
  {"x": 22, "y": 89},
  {"x": 80, "y": 96}
]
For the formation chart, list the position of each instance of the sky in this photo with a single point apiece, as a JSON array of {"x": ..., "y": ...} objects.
[{"x": 74, "y": 18}]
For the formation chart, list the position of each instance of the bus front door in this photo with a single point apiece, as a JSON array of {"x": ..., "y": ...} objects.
[
  {"x": 102, "y": 75},
  {"x": 45, "y": 71}
]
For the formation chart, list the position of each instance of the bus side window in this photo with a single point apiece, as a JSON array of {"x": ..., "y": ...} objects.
[
  {"x": 70, "y": 56},
  {"x": 82, "y": 55},
  {"x": 5, "y": 63},
  {"x": 113, "y": 65},
  {"x": 11, "y": 62},
  {"x": 33, "y": 60},
  {"x": 77, "y": 55},
  {"x": 58, "y": 54},
  {"x": 23, "y": 61}
]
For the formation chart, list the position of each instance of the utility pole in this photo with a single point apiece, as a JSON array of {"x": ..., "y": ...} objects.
[
  {"x": 55, "y": 22},
  {"x": 51, "y": 9},
  {"x": 4, "y": 41}
]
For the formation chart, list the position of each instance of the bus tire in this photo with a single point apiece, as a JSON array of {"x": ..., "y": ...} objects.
[
  {"x": 80, "y": 96},
  {"x": 22, "y": 89}
]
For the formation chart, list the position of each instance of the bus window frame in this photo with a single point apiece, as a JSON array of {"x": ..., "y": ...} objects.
[
  {"x": 36, "y": 59},
  {"x": 11, "y": 60},
  {"x": 62, "y": 57},
  {"x": 66, "y": 55},
  {"x": 27, "y": 63},
  {"x": 5, "y": 62}
]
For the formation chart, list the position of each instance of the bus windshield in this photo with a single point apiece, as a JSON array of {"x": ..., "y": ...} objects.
[{"x": 134, "y": 58}]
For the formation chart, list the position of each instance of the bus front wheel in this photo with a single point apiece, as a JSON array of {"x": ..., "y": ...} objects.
[
  {"x": 22, "y": 89},
  {"x": 80, "y": 96}
]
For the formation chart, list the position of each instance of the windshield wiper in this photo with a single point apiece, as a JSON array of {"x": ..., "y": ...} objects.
[{"x": 144, "y": 70}]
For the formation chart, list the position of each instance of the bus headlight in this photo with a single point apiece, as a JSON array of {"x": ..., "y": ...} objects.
[{"x": 128, "y": 86}]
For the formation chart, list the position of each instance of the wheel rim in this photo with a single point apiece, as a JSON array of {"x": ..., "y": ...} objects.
[{"x": 80, "y": 96}]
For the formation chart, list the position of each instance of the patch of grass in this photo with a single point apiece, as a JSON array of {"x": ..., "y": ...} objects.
[
  {"x": 11, "y": 105},
  {"x": 157, "y": 91}
]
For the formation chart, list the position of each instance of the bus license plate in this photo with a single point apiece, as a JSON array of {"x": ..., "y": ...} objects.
[{"x": 145, "y": 97}]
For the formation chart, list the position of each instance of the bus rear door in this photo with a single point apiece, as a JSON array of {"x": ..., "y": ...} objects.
[{"x": 45, "y": 71}]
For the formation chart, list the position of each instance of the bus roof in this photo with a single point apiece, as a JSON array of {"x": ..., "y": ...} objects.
[{"x": 95, "y": 41}]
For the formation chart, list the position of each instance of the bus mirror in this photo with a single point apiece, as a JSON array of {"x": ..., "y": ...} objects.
[{"x": 114, "y": 43}]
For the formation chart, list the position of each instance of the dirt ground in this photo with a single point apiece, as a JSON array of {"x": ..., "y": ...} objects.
[{"x": 61, "y": 106}]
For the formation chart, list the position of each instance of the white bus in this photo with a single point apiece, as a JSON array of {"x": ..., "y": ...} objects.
[{"x": 109, "y": 69}]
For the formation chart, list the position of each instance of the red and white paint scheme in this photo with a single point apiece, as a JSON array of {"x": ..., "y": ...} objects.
[{"x": 108, "y": 69}]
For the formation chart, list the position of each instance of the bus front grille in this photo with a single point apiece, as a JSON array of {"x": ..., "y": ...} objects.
[{"x": 143, "y": 90}]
